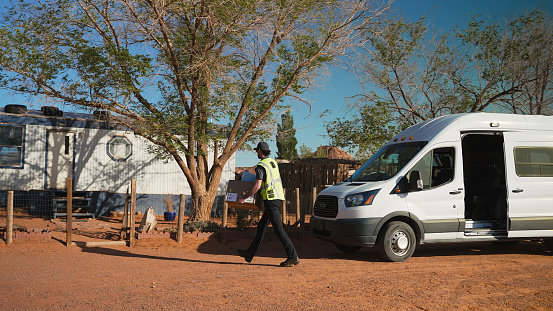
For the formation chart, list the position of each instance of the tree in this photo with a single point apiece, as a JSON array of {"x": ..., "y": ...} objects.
[
  {"x": 363, "y": 133},
  {"x": 165, "y": 68},
  {"x": 305, "y": 152},
  {"x": 286, "y": 138},
  {"x": 412, "y": 74}
]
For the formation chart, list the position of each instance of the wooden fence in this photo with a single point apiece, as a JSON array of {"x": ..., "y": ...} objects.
[{"x": 312, "y": 173}]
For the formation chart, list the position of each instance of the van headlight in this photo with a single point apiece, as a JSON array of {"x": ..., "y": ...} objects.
[{"x": 363, "y": 198}]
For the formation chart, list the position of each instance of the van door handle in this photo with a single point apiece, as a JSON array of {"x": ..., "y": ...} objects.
[
  {"x": 517, "y": 190},
  {"x": 455, "y": 192}
]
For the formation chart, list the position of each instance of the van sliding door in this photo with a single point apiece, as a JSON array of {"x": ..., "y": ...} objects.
[{"x": 529, "y": 166}]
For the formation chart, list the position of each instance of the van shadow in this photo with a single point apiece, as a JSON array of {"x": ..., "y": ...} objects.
[
  {"x": 526, "y": 247},
  {"x": 313, "y": 248}
]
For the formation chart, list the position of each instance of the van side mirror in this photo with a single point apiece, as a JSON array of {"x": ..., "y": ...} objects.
[{"x": 402, "y": 186}]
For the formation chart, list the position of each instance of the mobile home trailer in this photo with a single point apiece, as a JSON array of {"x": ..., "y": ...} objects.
[
  {"x": 39, "y": 150},
  {"x": 457, "y": 178}
]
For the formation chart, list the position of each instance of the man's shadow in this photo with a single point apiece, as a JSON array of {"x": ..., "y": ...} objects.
[{"x": 130, "y": 254}]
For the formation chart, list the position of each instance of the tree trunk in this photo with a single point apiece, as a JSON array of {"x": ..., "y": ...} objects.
[{"x": 201, "y": 206}]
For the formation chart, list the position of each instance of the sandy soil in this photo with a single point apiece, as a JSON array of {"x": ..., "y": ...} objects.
[{"x": 204, "y": 274}]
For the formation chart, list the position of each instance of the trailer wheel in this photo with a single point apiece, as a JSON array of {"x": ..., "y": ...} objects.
[
  {"x": 16, "y": 109},
  {"x": 396, "y": 241},
  {"x": 348, "y": 249}
]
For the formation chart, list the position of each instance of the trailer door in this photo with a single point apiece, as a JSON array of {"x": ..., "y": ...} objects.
[
  {"x": 529, "y": 168},
  {"x": 59, "y": 159}
]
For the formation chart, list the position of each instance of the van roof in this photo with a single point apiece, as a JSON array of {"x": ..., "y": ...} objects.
[{"x": 452, "y": 125}]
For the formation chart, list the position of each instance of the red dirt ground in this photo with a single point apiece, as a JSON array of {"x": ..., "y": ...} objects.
[{"x": 204, "y": 274}]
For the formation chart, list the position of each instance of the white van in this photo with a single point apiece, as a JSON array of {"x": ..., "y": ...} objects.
[{"x": 457, "y": 178}]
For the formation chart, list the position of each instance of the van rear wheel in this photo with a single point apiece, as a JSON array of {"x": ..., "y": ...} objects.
[{"x": 396, "y": 241}]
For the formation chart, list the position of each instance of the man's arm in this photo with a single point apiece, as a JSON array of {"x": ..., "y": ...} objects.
[{"x": 252, "y": 191}]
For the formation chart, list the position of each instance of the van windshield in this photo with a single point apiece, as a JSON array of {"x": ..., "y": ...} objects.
[{"x": 387, "y": 161}]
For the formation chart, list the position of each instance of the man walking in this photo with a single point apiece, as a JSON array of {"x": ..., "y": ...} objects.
[{"x": 267, "y": 178}]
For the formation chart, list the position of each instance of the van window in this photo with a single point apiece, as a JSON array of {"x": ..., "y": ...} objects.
[
  {"x": 11, "y": 146},
  {"x": 534, "y": 161},
  {"x": 387, "y": 161},
  {"x": 433, "y": 170}
]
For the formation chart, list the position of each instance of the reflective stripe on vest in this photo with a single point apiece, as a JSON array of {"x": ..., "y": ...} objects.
[{"x": 271, "y": 188}]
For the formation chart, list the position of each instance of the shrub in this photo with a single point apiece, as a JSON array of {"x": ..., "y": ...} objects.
[{"x": 201, "y": 225}]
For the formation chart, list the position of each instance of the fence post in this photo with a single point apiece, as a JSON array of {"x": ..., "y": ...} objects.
[
  {"x": 125, "y": 224},
  {"x": 132, "y": 237},
  {"x": 180, "y": 223},
  {"x": 313, "y": 199},
  {"x": 303, "y": 212},
  {"x": 298, "y": 215},
  {"x": 9, "y": 219},
  {"x": 284, "y": 212},
  {"x": 69, "y": 212},
  {"x": 224, "y": 224}
]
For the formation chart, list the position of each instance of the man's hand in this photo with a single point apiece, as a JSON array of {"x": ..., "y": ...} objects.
[{"x": 252, "y": 191}]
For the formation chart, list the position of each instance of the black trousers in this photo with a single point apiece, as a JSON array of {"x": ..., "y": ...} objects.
[{"x": 272, "y": 214}]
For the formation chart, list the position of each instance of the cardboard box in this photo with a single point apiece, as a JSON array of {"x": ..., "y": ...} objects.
[{"x": 237, "y": 189}]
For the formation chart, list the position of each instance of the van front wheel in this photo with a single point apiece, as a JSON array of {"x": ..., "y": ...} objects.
[{"x": 396, "y": 241}]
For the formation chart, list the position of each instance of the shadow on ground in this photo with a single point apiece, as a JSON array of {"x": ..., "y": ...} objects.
[{"x": 313, "y": 248}]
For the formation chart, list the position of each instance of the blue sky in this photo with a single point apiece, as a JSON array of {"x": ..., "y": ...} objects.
[{"x": 443, "y": 16}]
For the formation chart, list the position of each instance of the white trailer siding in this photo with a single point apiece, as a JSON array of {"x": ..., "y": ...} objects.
[
  {"x": 93, "y": 168},
  {"x": 31, "y": 176}
]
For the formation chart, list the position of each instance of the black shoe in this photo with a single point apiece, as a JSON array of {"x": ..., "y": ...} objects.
[
  {"x": 290, "y": 262},
  {"x": 245, "y": 254}
]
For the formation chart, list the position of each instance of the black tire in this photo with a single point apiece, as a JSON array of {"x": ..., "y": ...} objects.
[
  {"x": 549, "y": 244},
  {"x": 348, "y": 249},
  {"x": 16, "y": 109},
  {"x": 51, "y": 111},
  {"x": 396, "y": 241}
]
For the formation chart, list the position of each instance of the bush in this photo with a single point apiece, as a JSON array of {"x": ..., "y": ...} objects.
[
  {"x": 244, "y": 219},
  {"x": 201, "y": 225}
]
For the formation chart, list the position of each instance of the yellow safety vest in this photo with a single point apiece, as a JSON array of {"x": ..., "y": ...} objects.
[{"x": 271, "y": 187}]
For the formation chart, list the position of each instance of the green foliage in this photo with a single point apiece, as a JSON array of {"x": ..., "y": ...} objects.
[
  {"x": 170, "y": 230},
  {"x": 363, "y": 132},
  {"x": 185, "y": 75},
  {"x": 305, "y": 152},
  {"x": 416, "y": 74},
  {"x": 244, "y": 219},
  {"x": 200, "y": 225},
  {"x": 286, "y": 138}
]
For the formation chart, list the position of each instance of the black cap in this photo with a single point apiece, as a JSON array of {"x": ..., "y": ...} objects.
[{"x": 262, "y": 146}]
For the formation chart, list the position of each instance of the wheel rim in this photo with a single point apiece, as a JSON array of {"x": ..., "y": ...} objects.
[{"x": 400, "y": 243}]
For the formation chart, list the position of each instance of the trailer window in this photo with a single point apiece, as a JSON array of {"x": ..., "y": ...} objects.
[
  {"x": 534, "y": 161},
  {"x": 119, "y": 148},
  {"x": 11, "y": 146}
]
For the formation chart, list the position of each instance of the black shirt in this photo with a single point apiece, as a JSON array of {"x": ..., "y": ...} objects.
[{"x": 260, "y": 172}]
